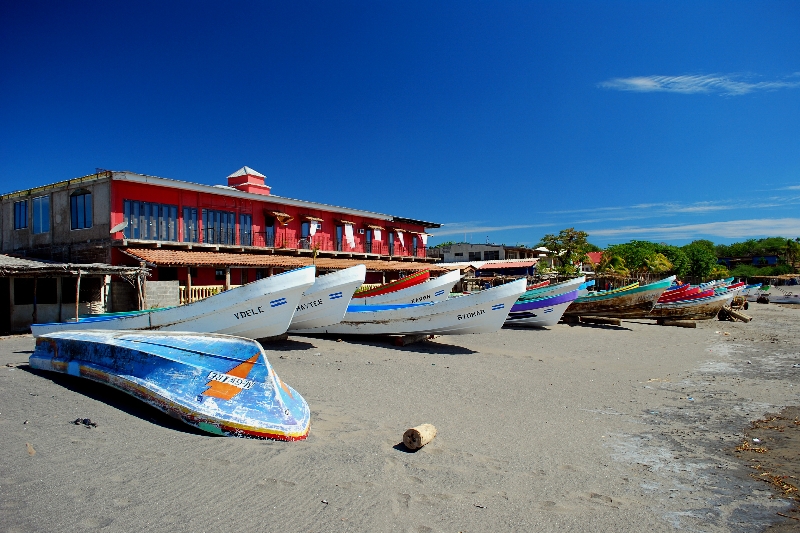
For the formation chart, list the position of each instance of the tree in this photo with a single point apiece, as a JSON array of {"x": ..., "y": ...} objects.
[
  {"x": 658, "y": 263},
  {"x": 611, "y": 264},
  {"x": 570, "y": 247},
  {"x": 702, "y": 258}
]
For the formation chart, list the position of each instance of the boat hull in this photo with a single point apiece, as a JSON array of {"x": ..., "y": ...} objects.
[
  {"x": 480, "y": 312},
  {"x": 267, "y": 304},
  {"x": 433, "y": 290},
  {"x": 325, "y": 302},
  {"x": 220, "y": 384},
  {"x": 632, "y": 303},
  {"x": 402, "y": 283},
  {"x": 541, "y": 313},
  {"x": 695, "y": 309}
]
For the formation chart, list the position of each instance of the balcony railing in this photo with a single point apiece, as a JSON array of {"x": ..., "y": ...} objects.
[{"x": 322, "y": 242}]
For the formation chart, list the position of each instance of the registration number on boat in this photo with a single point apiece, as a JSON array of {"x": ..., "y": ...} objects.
[
  {"x": 471, "y": 315},
  {"x": 240, "y": 383}
]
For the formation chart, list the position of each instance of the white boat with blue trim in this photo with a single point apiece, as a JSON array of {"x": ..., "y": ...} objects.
[
  {"x": 325, "y": 302},
  {"x": 479, "y": 312},
  {"x": 266, "y": 305},
  {"x": 433, "y": 290}
]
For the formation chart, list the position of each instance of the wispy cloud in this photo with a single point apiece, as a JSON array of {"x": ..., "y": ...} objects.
[
  {"x": 734, "y": 229},
  {"x": 791, "y": 188},
  {"x": 456, "y": 228},
  {"x": 727, "y": 84}
]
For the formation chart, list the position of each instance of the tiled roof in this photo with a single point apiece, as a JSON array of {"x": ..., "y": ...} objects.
[{"x": 164, "y": 257}]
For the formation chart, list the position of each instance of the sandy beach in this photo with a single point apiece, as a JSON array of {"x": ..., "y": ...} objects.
[{"x": 575, "y": 428}]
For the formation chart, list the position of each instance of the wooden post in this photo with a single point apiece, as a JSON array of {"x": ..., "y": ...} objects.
[
  {"x": 35, "y": 313},
  {"x": 188, "y": 285},
  {"x": 59, "y": 301},
  {"x": 227, "y": 278},
  {"x": 77, "y": 294},
  {"x": 271, "y": 271}
]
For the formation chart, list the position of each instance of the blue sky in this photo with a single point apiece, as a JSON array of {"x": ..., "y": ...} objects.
[{"x": 666, "y": 121}]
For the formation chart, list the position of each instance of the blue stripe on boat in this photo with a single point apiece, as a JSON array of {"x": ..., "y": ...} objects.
[
  {"x": 335, "y": 295},
  {"x": 276, "y": 303},
  {"x": 438, "y": 293},
  {"x": 495, "y": 307},
  {"x": 548, "y": 310}
]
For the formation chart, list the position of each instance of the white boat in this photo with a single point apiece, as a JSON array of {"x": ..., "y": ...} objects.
[
  {"x": 541, "y": 312},
  {"x": 268, "y": 304},
  {"x": 479, "y": 312},
  {"x": 779, "y": 295},
  {"x": 433, "y": 290},
  {"x": 325, "y": 302}
]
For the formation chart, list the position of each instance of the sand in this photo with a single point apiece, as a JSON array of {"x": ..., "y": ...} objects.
[{"x": 575, "y": 428}]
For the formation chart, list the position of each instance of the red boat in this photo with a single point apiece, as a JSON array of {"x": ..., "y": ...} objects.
[
  {"x": 402, "y": 283},
  {"x": 694, "y": 294},
  {"x": 538, "y": 285}
]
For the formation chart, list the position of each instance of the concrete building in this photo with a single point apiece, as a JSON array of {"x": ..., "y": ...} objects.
[
  {"x": 121, "y": 218},
  {"x": 462, "y": 251}
]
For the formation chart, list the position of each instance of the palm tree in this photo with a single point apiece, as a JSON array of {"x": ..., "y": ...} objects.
[
  {"x": 611, "y": 264},
  {"x": 657, "y": 264}
]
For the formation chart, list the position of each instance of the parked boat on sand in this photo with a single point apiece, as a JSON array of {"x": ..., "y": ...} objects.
[
  {"x": 267, "y": 304},
  {"x": 402, "y": 283},
  {"x": 326, "y": 301},
  {"x": 479, "y": 312},
  {"x": 218, "y": 383},
  {"x": 542, "y": 312},
  {"x": 633, "y": 301},
  {"x": 432, "y": 290}
]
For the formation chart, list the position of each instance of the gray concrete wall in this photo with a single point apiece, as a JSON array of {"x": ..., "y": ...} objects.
[
  {"x": 161, "y": 294},
  {"x": 123, "y": 297},
  {"x": 61, "y": 232}
]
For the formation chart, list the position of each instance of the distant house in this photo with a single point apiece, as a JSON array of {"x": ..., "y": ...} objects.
[
  {"x": 466, "y": 252},
  {"x": 758, "y": 260}
]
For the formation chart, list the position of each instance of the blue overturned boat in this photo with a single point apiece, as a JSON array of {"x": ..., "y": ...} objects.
[{"x": 218, "y": 383}]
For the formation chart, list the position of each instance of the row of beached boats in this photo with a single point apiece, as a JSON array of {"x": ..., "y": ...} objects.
[{"x": 201, "y": 362}]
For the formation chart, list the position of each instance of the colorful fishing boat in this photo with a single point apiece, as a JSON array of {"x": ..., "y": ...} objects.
[
  {"x": 325, "y": 302},
  {"x": 220, "y": 384},
  {"x": 267, "y": 304},
  {"x": 632, "y": 301},
  {"x": 690, "y": 309},
  {"x": 551, "y": 290},
  {"x": 402, "y": 283},
  {"x": 541, "y": 312},
  {"x": 479, "y": 312},
  {"x": 433, "y": 290}
]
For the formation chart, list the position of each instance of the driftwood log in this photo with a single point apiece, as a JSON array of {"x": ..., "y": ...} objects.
[
  {"x": 417, "y": 437},
  {"x": 679, "y": 323}
]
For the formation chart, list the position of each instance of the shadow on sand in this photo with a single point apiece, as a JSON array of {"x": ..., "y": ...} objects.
[{"x": 117, "y": 399}]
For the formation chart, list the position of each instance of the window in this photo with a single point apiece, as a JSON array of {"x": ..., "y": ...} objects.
[
  {"x": 489, "y": 255},
  {"x": 339, "y": 237},
  {"x": 414, "y": 245},
  {"x": 41, "y": 214},
  {"x": 151, "y": 221},
  {"x": 474, "y": 256},
  {"x": 391, "y": 242},
  {"x": 80, "y": 204},
  {"x": 190, "y": 233},
  {"x": 269, "y": 231},
  {"x": 219, "y": 274},
  {"x": 21, "y": 214},
  {"x": 459, "y": 254},
  {"x": 246, "y": 230},
  {"x": 219, "y": 227}
]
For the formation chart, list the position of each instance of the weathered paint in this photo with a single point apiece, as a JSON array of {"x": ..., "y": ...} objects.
[
  {"x": 636, "y": 302},
  {"x": 217, "y": 383}
]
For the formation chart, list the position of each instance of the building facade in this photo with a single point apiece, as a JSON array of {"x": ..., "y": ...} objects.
[
  {"x": 462, "y": 251},
  {"x": 100, "y": 217}
]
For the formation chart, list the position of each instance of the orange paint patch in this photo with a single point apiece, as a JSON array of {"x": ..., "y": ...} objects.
[{"x": 226, "y": 391}]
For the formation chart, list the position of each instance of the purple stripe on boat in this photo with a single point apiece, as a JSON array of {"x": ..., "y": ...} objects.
[{"x": 545, "y": 302}]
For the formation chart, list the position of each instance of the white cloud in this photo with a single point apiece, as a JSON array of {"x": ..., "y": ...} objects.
[
  {"x": 690, "y": 84},
  {"x": 791, "y": 188},
  {"x": 734, "y": 229}
]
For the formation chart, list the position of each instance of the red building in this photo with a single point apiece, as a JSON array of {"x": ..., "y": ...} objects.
[{"x": 116, "y": 217}]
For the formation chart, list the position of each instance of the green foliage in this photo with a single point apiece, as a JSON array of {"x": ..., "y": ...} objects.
[
  {"x": 611, "y": 264},
  {"x": 749, "y": 271},
  {"x": 642, "y": 256},
  {"x": 443, "y": 244},
  {"x": 753, "y": 247},
  {"x": 570, "y": 246},
  {"x": 702, "y": 258},
  {"x": 592, "y": 248},
  {"x": 719, "y": 272}
]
